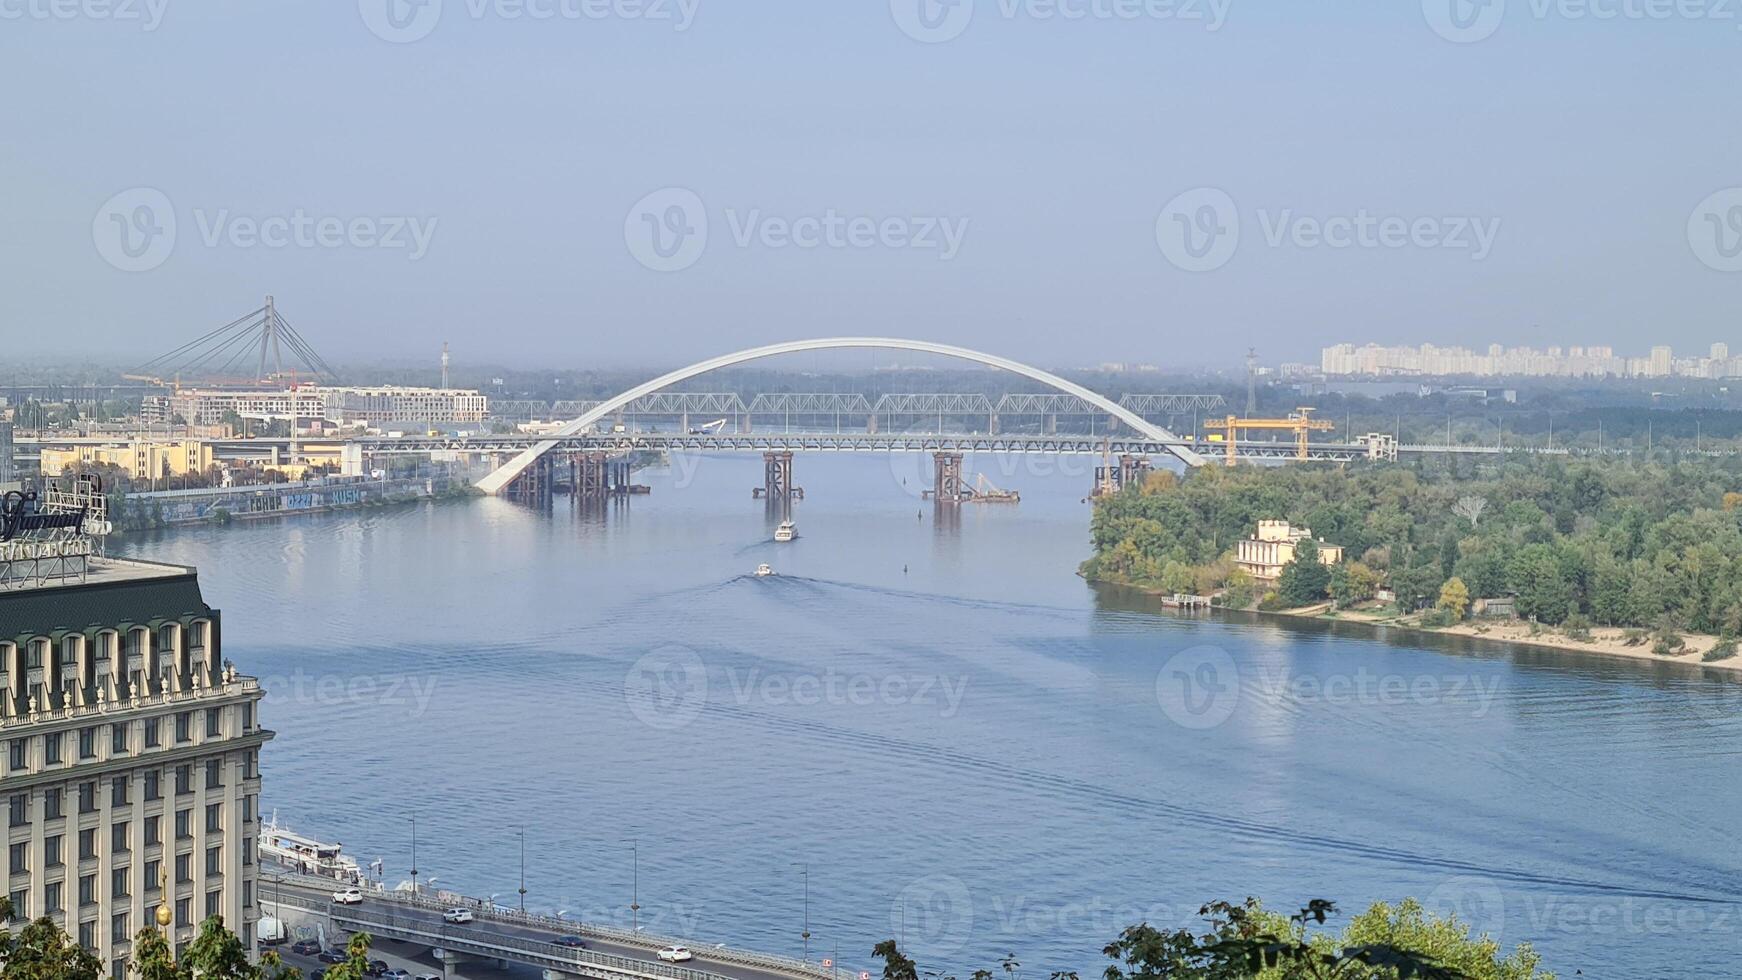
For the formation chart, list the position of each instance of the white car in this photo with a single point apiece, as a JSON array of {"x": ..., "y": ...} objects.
[
  {"x": 676, "y": 954},
  {"x": 457, "y": 916},
  {"x": 348, "y": 896}
]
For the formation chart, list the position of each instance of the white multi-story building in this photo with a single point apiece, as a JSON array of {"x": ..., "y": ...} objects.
[
  {"x": 379, "y": 405},
  {"x": 1347, "y": 360},
  {"x": 131, "y": 757},
  {"x": 389, "y": 404}
]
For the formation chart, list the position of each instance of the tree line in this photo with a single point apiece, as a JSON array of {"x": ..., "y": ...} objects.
[{"x": 1651, "y": 544}]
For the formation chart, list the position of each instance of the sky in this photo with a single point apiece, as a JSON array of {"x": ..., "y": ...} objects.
[{"x": 621, "y": 183}]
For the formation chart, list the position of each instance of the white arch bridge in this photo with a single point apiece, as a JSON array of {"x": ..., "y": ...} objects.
[{"x": 499, "y": 480}]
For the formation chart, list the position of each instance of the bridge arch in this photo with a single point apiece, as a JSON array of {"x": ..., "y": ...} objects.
[{"x": 499, "y": 479}]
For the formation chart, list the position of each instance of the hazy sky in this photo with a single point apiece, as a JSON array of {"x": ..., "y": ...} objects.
[{"x": 644, "y": 182}]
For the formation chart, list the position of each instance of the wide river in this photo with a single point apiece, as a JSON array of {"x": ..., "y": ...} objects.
[{"x": 963, "y": 743}]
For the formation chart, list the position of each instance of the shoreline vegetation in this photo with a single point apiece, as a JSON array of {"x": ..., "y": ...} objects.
[{"x": 1631, "y": 559}]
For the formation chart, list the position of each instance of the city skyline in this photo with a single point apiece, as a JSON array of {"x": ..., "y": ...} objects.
[{"x": 1499, "y": 360}]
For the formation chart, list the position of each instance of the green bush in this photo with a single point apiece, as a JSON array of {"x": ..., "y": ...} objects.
[
  {"x": 1435, "y": 619},
  {"x": 1724, "y": 650}
]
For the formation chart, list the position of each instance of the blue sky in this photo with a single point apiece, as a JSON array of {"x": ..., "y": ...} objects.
[{"x": 496, "y": 180}]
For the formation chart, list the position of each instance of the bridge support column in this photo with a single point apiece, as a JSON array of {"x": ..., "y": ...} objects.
[
  {"x": 947, "y": 480},
  {"x": 777, "y": 476},
  {"x": 591, "y": 480},
  {"x": 452, "y": 961},
  {"x": 1132, "y": 470}
]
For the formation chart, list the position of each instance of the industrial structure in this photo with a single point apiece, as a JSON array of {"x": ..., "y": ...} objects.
[{"x": 1301, "y": 423}]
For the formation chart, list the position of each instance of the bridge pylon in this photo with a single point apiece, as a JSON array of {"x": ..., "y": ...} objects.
[{"x": 947, "y": 485}]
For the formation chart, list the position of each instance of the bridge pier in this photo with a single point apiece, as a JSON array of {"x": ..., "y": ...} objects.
[
  {"x": 1132, "y": 469},
  {"x": 777, "y": 476},
  {"x": 947, "y": 478}
]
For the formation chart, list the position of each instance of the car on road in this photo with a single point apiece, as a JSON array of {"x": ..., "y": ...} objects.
[
  {"x": 379, "y": 968},
  {"x": 348, "y": 896},
  {"x": 427, "y": 976},
  {"x": 332, "y": 956},
  {"x": 458, "y": 916},
  {"x": 676, "y": 954},
  {"x": 395, "y": 975},
  {"x": 306, "y": 947},
  {"x": 573, "y": 942}
]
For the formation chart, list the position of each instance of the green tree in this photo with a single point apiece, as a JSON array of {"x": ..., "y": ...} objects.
[
  {"x": 1454, "y": 598},
  {"x": 1305, "y": 579},
  {"x": 41, "y": 951}
]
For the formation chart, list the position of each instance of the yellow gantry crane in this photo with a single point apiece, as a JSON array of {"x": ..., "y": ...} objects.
[{"x": 1300, "y": 422}]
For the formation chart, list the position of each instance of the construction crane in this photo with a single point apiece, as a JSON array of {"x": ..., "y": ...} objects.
[{"x": 1300, "y": 422}]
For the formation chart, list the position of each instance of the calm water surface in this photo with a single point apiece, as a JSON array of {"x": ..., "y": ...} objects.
[{"x": 966, "y": 744}]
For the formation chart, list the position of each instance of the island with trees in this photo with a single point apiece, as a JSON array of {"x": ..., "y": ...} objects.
[{"x": 1610, "y": 554}]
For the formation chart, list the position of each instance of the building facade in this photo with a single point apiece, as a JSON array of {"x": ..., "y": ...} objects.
[
  {"x": 142, "y": 459},
  {"x": 8, "y": 454},
  {"x": 379, "y": 405},
  {"x": 1264, "y": 554},
  {"x": 132, "y": 758},
  {"x": 1372, "y": 360}
]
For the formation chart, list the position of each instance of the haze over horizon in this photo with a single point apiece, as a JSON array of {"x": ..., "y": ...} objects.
[{"x": 629, "y": 184}]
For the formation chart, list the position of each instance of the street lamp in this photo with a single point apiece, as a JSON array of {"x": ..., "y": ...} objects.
[
  {"x": 634, "y": 883},
  {"x": 523, "y": 871},
  {"x": 414, "y": 856},
  {"x": 805, "y": 870}
]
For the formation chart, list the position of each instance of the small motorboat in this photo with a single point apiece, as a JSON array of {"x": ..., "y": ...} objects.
[
  {"x": 786, "y": 531},
  {"x": 764, "y": 570}
]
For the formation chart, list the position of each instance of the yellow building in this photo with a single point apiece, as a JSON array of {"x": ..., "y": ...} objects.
[
  {"x": 1264, "y": 554},
  {"x": 143, "y": 459}
]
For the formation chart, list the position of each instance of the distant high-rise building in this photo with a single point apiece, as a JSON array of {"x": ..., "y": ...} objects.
[
  {"x": 1662, "y": 361},
  {"x": 8, "y": 465},
  {"x": 1720, "y": 351}
]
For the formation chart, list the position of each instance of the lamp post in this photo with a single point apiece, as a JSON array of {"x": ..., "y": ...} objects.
[
  {"x": 805, "y": 871},
  {"x": 414, "y": 856},
  {"x": 634, "y": 883},
  {"x": 523, "y": 871}
]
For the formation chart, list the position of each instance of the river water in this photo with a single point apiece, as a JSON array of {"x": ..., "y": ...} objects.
[{"x": 964, "y": 744}]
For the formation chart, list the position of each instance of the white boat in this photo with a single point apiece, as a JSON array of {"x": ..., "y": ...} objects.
[
  {"x": 307, "y": 855},
  {"x": 764, "y": 570},
  {"x": 786, "y": 531}
]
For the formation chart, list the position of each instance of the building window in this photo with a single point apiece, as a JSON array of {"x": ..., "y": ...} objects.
[
  {"x": 118, "y": 738},
  {"x": 21, "y": 905},
  {"x": 247, "y": 851},
  {"x": 183, "y": 824},
  {"x": 51, "y": 746},
  {"x": 17, "y": 748},
  {"x": 153, "y": 831},
  {"x": 51, "y": 899},
  {"x": 118, "y": 838},
  {"x": 88, "y": 934},
  {"x": 51, "y": 804},
  {"x": 87, "y": 844},
  {"x": 118, "y": 791},
  {"x": 88, "y": 797},
  {"x": 20, "y": 857},
  {"x": 51, "y": 851},
  {"x": 120, "y": 881},
  {"x": 118, "y": 932},
  {"x": 214, "y": 861},
  {"x": 88, "y": 743},
  {"x": 153, "y": 869},
  {"x": 251, "y": 765},
  {"x": 214, "y": 817},
  {"x": 87, "y": 891},
  {"x": 214, "y": 903},
  {"x": 184, "y": 780},
  {"x": 248, "y": 717},
  {"x": 214, "y": 722},
  {"x": 184, "y": 912},
  {"x": 183, "y": 868},
  {"x": 153, "y": 791},
  {"x": 247, "y": 894},
  {"x": 182, "y": 723},
  {"x": 151, "y": 740},
  {"x": 18, "y": 809},
  {"x": 214, "y": 774},
  {"x": 248, "y": 809}
]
